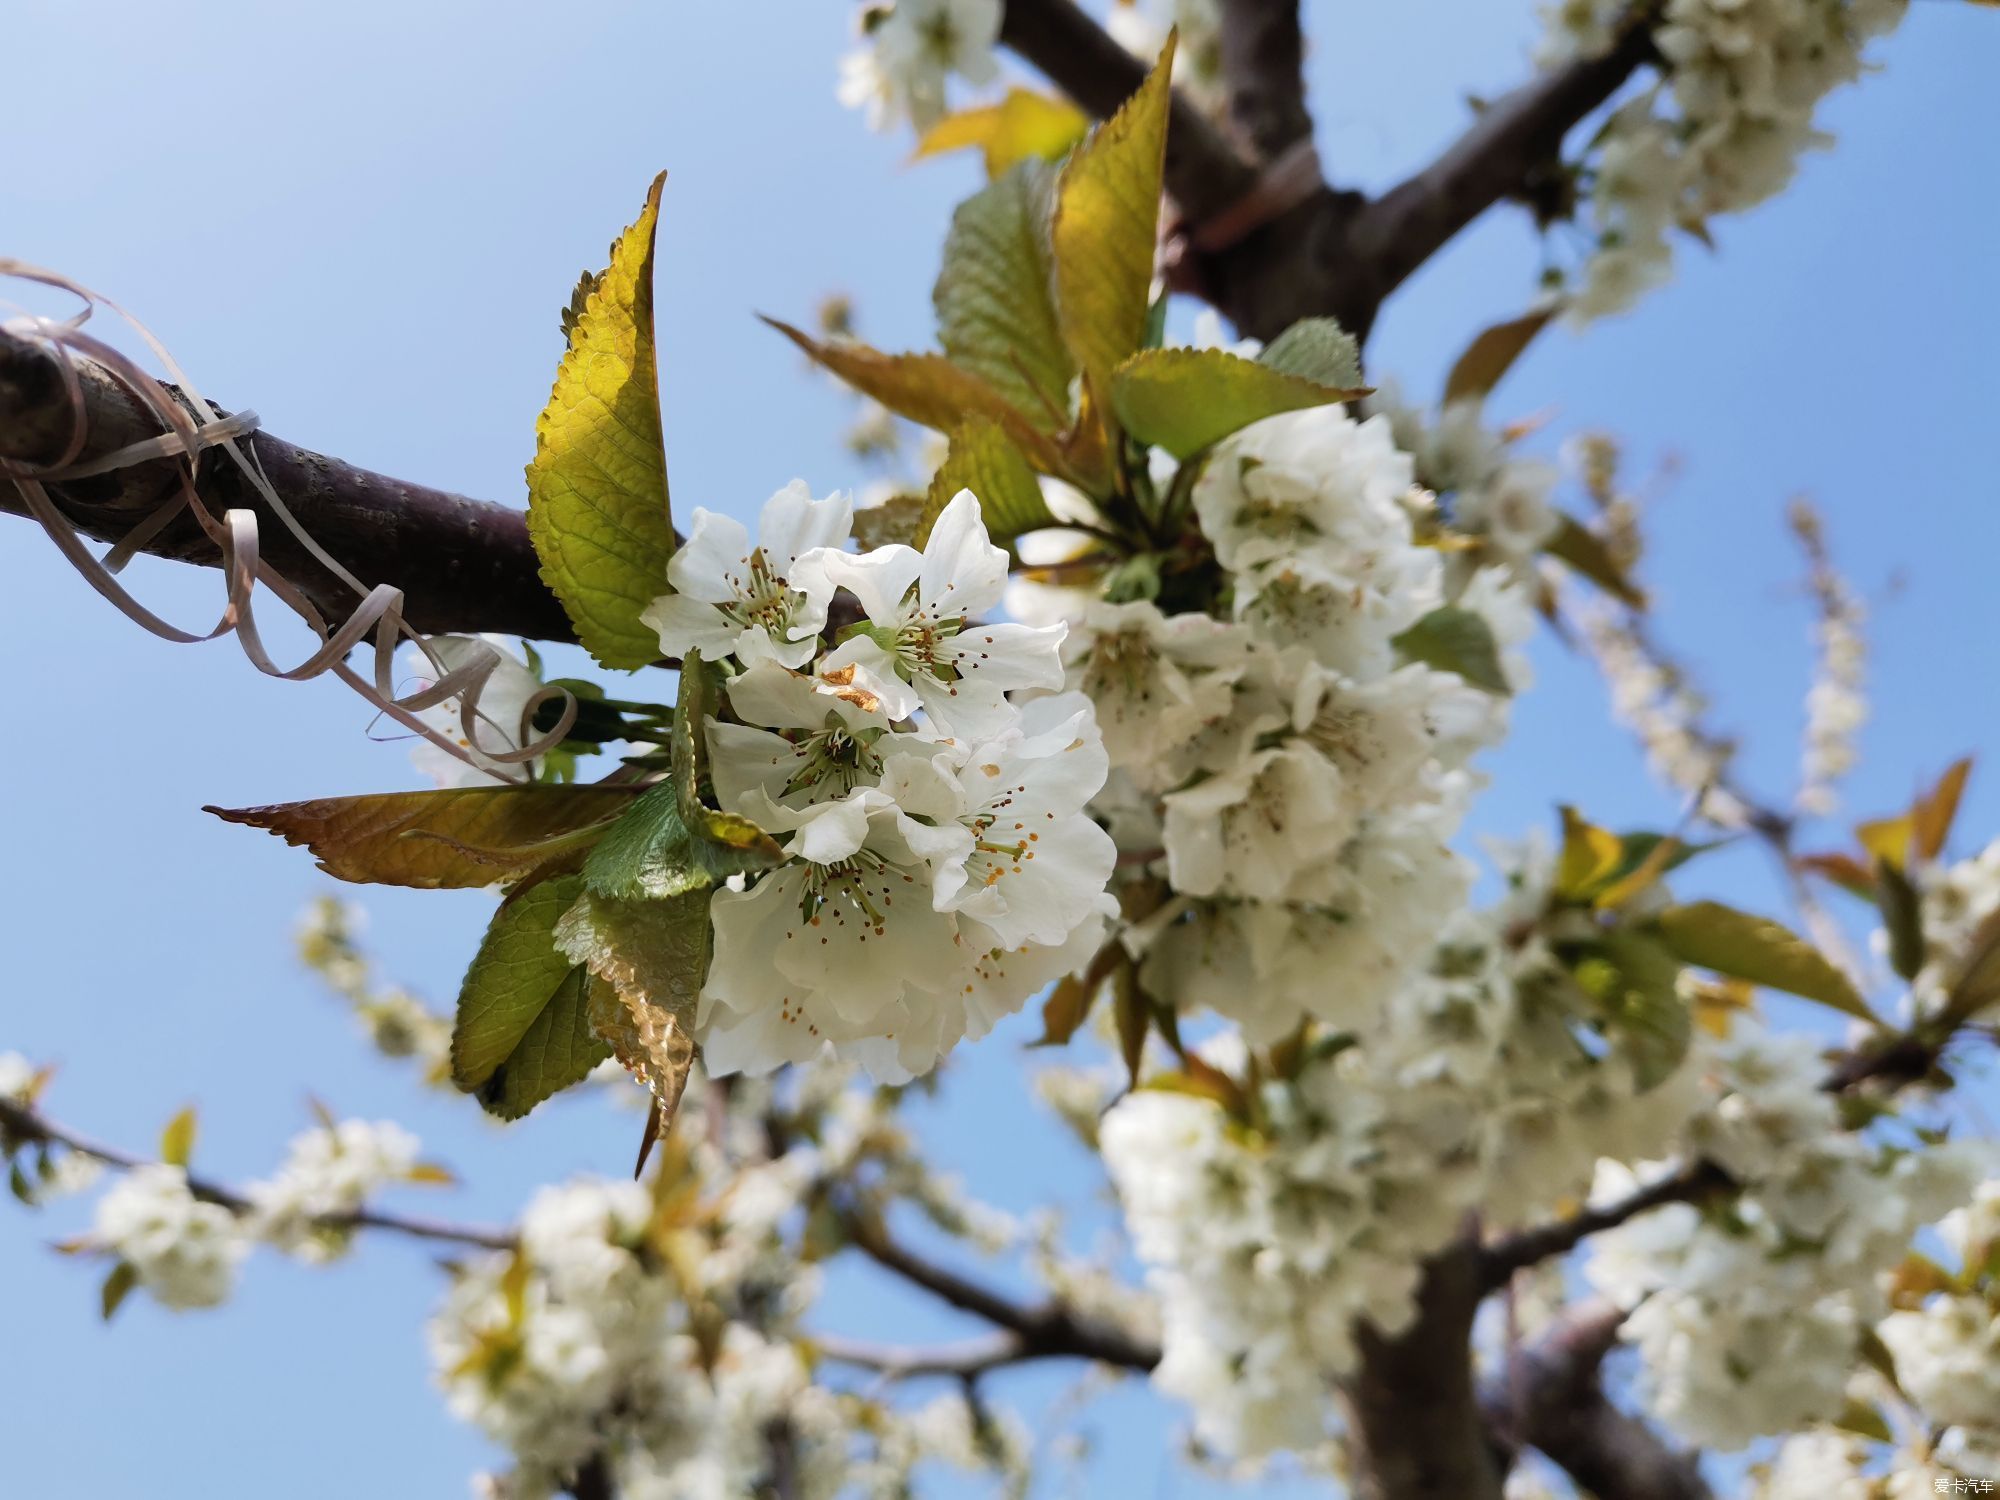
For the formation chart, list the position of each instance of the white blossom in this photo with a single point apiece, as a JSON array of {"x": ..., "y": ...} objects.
[
  {"x": 909, "y": 48},
  {"x": 496, "y": 724},
  {"x": 184, "y": 1251}
]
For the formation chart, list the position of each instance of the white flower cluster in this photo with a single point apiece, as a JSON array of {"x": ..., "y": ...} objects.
[
  {"x": 1141, "y": 27},
  {"x": 398, "y": 1024},
  {"x": 942, "y": 867},
  {"x": 1291, "y": 778},
  {"x": 1266, "y": 1246},
  {"x": 909, "y": 48},
  {"x": 1956, "y": 900},
  {"x": 183, "y": 1250},
  {"x": 330, "y": 1171},
  {"x": 1750, "y": 1317},
  {"x": 1494, "y": 495},
  {"x": 1836, "y": 706},
  {"x": 1721, "y": 133}
]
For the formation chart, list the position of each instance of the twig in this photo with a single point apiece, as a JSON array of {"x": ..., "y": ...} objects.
[
  {"x": 23, "y": 1124},
  {"x": 966, "y": 1357}
]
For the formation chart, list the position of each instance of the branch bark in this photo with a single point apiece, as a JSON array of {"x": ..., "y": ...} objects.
[
  {"x": 1263, "y": 62},
  {"x": 463, "y": 565},
  {"x": 1415, "y": 1425},
  {"x": 1555, "y": 1403}
]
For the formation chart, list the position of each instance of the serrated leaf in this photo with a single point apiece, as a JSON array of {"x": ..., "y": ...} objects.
[
  {"x": 983, "y": 459},
  {"x": 1492, "y": 353},
  {"x": 928, "y": 389},
  {"x": 1105, "y": 229},
  {"x": 1023, "y": 126},
  {"x": 1641, "y": 1003},
  {"x": 1456, "y": 640},
  {"x": 1584, "y": 551},
  {"x": 994, "y": 298},
  {"x": 522, "y": 1031},
  {"x": 895, "y": 520},
  {"x": 1931, "y": 818},
  {"x": 117, "y": 1287},
  {"x": 598, "y": 510},
  {"x": 451, "y": 839},
  {"x": 1316, "y": 349},
  {"x": 579, "y": 299},
  {"x": 652, "y": 957},
  {"x": 177, "y": 1140},
  {"x": 1185, "y": 400},
  {"x": 1713, "y": 936}
]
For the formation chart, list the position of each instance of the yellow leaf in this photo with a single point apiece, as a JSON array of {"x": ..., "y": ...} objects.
[
  {"x": 1589, "y": 855},
  {"x": 1491, "y": 355},
  {"x": 1021, "y": 126},
  {"x": 1741, "y": 946},
  {"x": 1106, "y": 227},
  {"x": 1888, "y": 839},
  {"x": 433, "y": 1173},
  {"x": 927, "y": 388},
  {"x": 1628, "y": 888},
  {"x": 983, "y": 460},
  {"x": 453, "y": 838},
  {"x": 1718, "y": 1002},
  {"x": 597, "y": 489},
  {"x": 177, "y": 1140},
  {"x": 1931, "y": 818}
]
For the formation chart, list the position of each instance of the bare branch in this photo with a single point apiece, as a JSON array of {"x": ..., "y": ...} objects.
[
  {"x": 1263, "y": 62},
  {"x": 967, "y": 1358},
  {"x": 1531, "y": 1247},
  {"x": 1044, "y": 1330},
  {"x": 23, "y": 1125},
  {"x": 1513, "y": 137},
  {"x": 463, "y": 565},
  {"x": 1555, "y": 1402}
]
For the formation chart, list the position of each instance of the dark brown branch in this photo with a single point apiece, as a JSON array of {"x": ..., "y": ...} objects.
[
  {"x": 1415, "y": 1426},
  {"x": 1553, "y": 1400},
  {"x": 463, "y": 565},
  {"x": 1044, "y": 1330},
  {"x": 964, "y": 1359},
  {"x": 1530, "y": 1247},
  {"x": 22, "y": 1125},
  {"x": 1513, "y": 138},
  {"x": 1263, "y": 63},
  {"x": 593, "y": 1481}
]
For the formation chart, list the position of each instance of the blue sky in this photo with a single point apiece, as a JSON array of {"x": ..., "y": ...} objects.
[{"x": 361, "y": 219}]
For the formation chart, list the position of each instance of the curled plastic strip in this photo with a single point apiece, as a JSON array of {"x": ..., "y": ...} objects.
[{"x": 190, "y": 427}]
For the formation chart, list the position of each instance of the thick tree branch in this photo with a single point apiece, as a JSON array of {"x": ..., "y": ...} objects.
[
  {"x": 1530, "y": 1247},
  {"x": 463, "y": 565},
  {"x": 1044, "y": 1330},
  {"x": 1415, "y": 1426},
  {"x": 1553, "y": 1400},
  {"x": 1263, "y": 63},
  {"x": 22, "y": 1125}
]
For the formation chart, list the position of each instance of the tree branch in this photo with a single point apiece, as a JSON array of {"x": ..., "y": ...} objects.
[
  {"x": 23, "y": 1125},
  {"x": 1512, "y": 138},
  {"x": 1044, "y": 1330},
  {"x": 1415, "y": 1426},
  {"x": 967, "y": 1358},
  {"x": 1530, "y": 1247},
  {"x": 463, "y": 565},
  {"x": 1554, "y": 1401},
  {"x": 1263, "y": 62}
]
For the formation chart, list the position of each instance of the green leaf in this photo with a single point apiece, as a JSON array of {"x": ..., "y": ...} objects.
[
  {"x": 894, "y": 520},
  {"x": 117, "y": 1287},
  {"x": 522, "y": 1030},
  {"x": 995, "y": 304},
  {"x": 1105, "y": 229},
  {"x": 1492, "y": 354},
  {"x": 652, "y": 957},
  {"x": 1583, "y": 551},
  {"x": 1634, "y": 983},
  {"x": 1316, "y": 349},
  {"x": 983, "y": 459},
  {"x": 928, "y": 389},
  {"x": 453, "y": 838},
  {"x": 1902, "y": 918},
  {"x": 1024, "y": 126},
  {"x": 1184, "y": 400},
  {"x": 1713, "y": 936},
  {"x": 597, "y": 489},
  {"x": 177, "y": 1140},
  {"x": 1456, "y": 640}
]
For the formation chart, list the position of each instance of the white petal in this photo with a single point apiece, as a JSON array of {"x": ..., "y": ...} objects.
[{"x": 713, "y": 564}]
